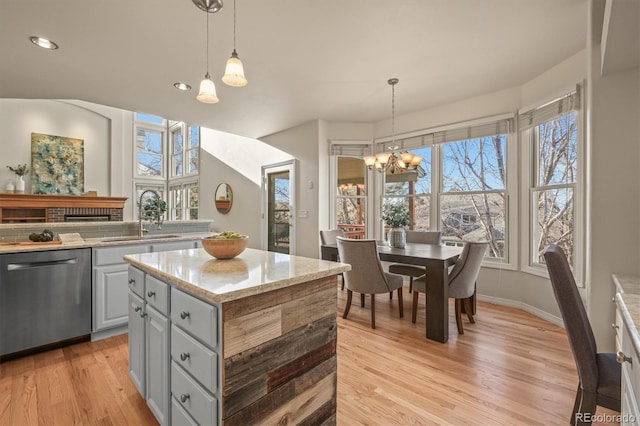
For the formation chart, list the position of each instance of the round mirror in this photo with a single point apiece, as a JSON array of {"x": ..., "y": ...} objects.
[{"x": 224, "y": 198}]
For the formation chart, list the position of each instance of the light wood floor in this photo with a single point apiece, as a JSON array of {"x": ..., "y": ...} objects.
[{"x": 509, "y": 368}]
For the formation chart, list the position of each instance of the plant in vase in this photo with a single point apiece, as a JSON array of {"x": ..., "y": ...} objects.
[
  {"x": 396, "y": 215},
  {"x": 20, "y": 170}
]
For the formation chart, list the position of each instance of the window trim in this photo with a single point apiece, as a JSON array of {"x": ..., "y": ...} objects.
[{"x": 528, "y": 186}]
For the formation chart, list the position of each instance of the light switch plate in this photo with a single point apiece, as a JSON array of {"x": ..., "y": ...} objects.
[{"x": 303, "y": 213}]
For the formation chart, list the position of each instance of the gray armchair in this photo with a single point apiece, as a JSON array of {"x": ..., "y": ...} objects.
[
  {"x": 329, "y": 237},
  {"x": 366, "y": 275},
  {"x": 462, "y": 281},
  {"x": 422, "y": 237},
  {"x": 598, "y": 373}
]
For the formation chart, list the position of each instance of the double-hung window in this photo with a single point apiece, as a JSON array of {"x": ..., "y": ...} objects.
[
  {"x": 412, "y": 188},
  {"x": 553, "y": 134},
  {"x": 171, "y": 162},
  {"x": 473, "y": 196},
  {"x": 350, "y": 202}
]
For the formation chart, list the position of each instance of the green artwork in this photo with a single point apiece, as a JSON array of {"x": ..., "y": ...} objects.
[{"x": 57, "y": 165}]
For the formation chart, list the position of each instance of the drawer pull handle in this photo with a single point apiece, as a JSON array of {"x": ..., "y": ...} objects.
[
  {"x": 184, "y": 397},
  {"x": 615, "y": 326},
  {"x": 151, "y": 293},
  {"x": 143, "y": 314},
  {"x": 622, "y": 358},
  {"x": 138, "y": 308},
  {"x": 184, "y": 315},
  {"x": 132, "y": 281},
  {"x": 184, "y": 356}
]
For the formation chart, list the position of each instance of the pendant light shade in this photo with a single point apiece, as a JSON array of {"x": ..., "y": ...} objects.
[
  {"x": 234, "y": 71},
  {"x": 207, "y": 93}
]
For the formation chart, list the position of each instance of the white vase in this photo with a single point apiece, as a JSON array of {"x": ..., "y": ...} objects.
[
  {"x": 20, "y": 185},
  {"x": 397, "y": 237}
]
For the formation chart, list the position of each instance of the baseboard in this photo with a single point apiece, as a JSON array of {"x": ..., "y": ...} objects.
[
  {"x": 525, "y": 307},
  {"x": 109, "y": 333}
]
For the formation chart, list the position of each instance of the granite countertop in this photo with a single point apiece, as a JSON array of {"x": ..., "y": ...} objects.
[
  {"x": 252, "y": 272},
  {"x": 628, "y": 300},
  {"x": 19, "y": 247}
]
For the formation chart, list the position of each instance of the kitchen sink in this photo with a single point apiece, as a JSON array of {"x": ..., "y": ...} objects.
[{"x": 136, "y": 238}]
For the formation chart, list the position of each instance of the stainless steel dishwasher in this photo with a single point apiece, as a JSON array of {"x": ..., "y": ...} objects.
[{"x": 45, "y": 299}]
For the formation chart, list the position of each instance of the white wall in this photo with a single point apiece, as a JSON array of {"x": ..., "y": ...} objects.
[
  {"x": 107, "y": 135},
  {"x": 302, "y": 143},
  {"x": 614, "y": 205},
  {"x": 237, "y": 161}
]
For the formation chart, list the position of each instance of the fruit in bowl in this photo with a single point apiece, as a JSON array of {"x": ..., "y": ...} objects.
[{"x": 225, "y": 245}]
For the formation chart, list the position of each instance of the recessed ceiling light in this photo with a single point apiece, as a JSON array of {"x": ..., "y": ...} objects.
[
  {"x": 43, "y": 42},
  {"x": 182, "y": 86}
]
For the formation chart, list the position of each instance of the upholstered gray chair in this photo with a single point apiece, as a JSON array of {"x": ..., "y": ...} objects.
[
  {"x": 329, "y": 237},
  {"x": 462, "y": 281},
  {"x": 422, "y": 237},
  {"x": 366, "y": 275},
  {"x": 598, "y": 373}
]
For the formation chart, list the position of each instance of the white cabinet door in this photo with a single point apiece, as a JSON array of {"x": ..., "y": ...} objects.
[
  {"x": 157, "y": 347},
  {"x": 110, "y": 296},
  {"x": 136, "y": 343}
]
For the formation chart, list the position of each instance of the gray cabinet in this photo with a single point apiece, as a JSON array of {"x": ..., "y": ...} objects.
[
  {"x": 149, "y": 341},
  {"x": 110, "y": 275},
  {"x": 136, "y": 343}
]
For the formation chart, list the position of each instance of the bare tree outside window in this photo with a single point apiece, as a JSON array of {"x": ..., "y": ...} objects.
[
  {"x": 472, "y": 204},
  {"x": 554, "y": 187}
]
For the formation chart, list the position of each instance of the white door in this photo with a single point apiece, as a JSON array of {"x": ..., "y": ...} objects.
[{"x": 278, "y": 207}]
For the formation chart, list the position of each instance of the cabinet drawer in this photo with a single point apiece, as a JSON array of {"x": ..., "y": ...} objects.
[
  {"x": 136, "y": 281},
  {"x": 156, "y": 293},
  {"x": 111, "y": 255},
  {"x": 195, "y": 316},
  {"x": 179, "y": 417},
  {"x": 195, "y": 358},
  {"x": 192, "y": 397}
]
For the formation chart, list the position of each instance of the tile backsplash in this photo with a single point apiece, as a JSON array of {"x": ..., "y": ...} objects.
[{"x": 20, "y": 231}]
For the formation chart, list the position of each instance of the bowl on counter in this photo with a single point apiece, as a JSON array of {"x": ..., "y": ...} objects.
[{"x": 224, "y": 248}]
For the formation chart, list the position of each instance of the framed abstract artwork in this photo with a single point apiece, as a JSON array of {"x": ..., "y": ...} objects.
[{"x": 57, "y": 165}]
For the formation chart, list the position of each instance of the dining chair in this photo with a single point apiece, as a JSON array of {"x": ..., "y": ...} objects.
[
  {"x": 414, "y": 271},
  {"x": 329, "y": 237},
  {"x": 462, "y": 282},
  {"x": 598, "y": 373},
  {"x": 366, "y": 275}
]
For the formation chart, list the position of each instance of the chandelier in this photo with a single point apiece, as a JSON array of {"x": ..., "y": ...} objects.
[{"x": 394, "y": 160}]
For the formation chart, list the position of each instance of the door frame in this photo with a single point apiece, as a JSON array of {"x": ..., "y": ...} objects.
[{"x": 290, "y": 166}]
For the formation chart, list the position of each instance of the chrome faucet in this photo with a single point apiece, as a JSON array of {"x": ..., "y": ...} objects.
[{"x": 158, "y": 221}]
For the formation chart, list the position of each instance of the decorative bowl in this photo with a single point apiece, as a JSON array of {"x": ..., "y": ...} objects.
[{"x": 225, "y": 248}]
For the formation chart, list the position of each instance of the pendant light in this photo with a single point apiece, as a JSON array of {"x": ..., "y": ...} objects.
[
  {"x": 392, "y": 161},
  {"x": 234, "y": 71},
  {"x": 207, "y": 92}
]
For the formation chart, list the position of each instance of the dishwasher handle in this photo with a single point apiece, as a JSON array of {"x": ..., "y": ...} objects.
[{"x": 29, "y": 265}]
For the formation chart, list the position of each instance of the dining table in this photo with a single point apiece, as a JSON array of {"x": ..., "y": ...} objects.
[{"x": 436, "y": 260}]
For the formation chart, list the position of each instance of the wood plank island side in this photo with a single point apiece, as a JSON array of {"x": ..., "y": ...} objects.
[{"x": 276, "y": 332}]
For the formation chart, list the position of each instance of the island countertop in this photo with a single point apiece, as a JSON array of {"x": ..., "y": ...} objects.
[
  {"x": 252, "y": 272},
  {"x": 628, "y": 299}
]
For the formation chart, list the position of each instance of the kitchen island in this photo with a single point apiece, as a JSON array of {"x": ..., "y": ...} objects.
[{"x": 250, "y": 340}]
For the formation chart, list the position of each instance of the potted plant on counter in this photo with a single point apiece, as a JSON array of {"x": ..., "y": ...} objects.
[
  {"x": 20, "y": 170},
  {"x": 396, "y": 216}
]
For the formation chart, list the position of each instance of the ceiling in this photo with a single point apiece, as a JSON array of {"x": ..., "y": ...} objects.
[{"x": 304, "y": 59}]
